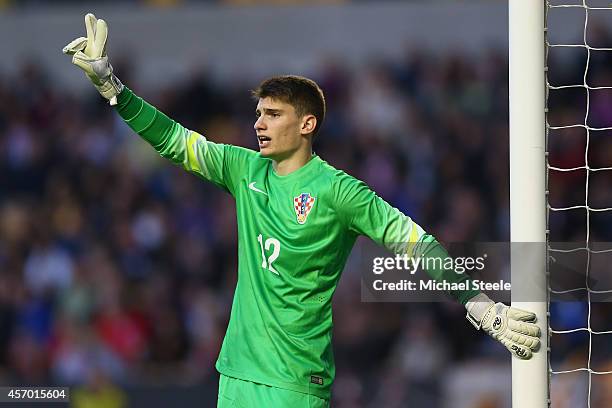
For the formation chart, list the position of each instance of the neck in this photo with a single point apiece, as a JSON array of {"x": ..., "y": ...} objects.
[{"x": 293, "y": 162}]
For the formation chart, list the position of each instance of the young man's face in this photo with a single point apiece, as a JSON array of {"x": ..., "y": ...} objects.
[{"x": 280, "y": 132}]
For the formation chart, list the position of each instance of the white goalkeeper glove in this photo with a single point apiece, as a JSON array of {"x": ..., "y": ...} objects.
[
  {"x": 512, "y": 327},
  {"x": 89, "y": 54}
]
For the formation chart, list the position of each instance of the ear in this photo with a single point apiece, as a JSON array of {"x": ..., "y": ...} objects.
[{"x": 309, "y": 123}]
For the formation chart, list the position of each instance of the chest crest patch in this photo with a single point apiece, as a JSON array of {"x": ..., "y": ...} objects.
[{"x": 302, "y": 205}]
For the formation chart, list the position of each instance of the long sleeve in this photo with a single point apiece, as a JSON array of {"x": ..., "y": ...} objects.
[
  {"x": 219, "y": 163},
  {"x": 367, "y": 214}
]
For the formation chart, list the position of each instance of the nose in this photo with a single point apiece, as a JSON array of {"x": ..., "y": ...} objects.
[{"x": 259, "y": 123}]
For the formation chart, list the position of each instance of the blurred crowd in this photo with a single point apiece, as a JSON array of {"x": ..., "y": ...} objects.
[{"x": 117, "y": 269}]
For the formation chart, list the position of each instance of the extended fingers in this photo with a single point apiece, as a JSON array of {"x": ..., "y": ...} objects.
[
  {"x": 90, "y": 27},
  {"x": 100, "y": 39}
]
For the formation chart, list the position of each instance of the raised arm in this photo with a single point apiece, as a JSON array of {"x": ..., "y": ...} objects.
[{"x": 218, "y": 163}]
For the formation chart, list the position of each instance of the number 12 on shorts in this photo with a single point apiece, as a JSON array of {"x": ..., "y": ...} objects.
[{"x": 272, "y": 244}]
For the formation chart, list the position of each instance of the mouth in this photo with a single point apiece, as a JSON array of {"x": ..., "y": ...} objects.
[{"x": 264, "y": 141}]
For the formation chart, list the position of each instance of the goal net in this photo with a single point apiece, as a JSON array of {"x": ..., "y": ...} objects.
[{"x": 578, "y": 131}]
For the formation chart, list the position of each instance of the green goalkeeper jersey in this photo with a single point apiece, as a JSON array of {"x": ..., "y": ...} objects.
[{"x": 295, "y": 233}]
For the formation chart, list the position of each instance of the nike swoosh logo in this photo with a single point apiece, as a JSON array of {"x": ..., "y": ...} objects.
[{"x": 252, "y": 187}]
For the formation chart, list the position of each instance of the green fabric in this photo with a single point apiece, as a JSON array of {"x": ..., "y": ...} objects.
[
  {"x": 295, "y": 233},
  {"x": 237, "y": 393},
  {"x": 140, "y": 116},
  {"x": 428, "y": 247}
]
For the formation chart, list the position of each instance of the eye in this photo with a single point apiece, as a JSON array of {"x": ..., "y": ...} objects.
[{"x": 275, "y": 115}]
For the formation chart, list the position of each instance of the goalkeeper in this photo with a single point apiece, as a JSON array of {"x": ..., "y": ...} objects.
[{"x": 298, "y": 218}]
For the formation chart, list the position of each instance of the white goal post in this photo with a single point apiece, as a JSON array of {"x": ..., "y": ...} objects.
[{"x": 530, "y": 379}]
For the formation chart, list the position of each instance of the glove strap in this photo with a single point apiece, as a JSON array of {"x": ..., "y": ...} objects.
[
  {"x": 476, "y": 308},
  {"x": 110, "y": 89}
]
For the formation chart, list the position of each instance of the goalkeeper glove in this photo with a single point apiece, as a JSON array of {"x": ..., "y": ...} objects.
[
  {"x": 89, "y": 54},
  {"x": 512, "y": 327}
]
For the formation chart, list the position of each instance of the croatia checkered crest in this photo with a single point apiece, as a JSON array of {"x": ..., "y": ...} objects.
[{"x": 303, "y": 204}]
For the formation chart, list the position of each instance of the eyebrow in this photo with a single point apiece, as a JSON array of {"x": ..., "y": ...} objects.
[{"x": 269, "y": 110}]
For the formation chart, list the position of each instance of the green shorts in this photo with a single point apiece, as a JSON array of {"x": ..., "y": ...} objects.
[{"x": 236, "y": 393}]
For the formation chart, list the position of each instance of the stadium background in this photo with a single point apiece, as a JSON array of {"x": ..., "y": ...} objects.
[{"x": 117, "y": 269}]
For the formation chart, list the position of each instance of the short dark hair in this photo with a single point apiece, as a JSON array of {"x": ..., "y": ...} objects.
[{"x": 302, "y": 93}]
